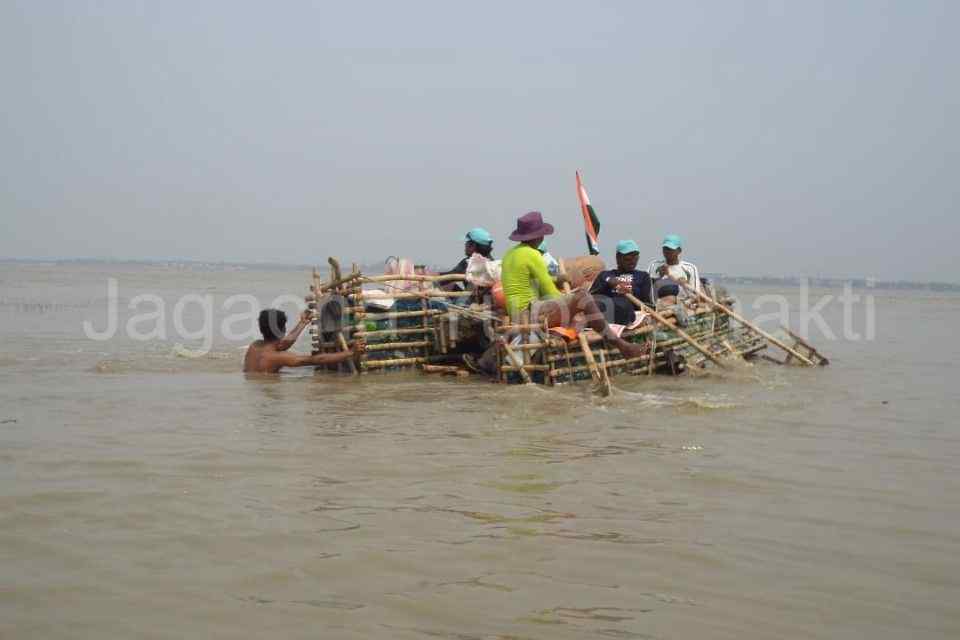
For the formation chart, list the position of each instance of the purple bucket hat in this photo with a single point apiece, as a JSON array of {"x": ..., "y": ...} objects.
[{"x": 530, "y": 226}]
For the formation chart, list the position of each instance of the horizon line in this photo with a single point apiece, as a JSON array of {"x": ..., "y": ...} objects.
[{"x": 307, "y": 265}]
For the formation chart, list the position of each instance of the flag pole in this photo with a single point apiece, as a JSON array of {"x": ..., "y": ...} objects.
[{"x": 591, "y": 223}]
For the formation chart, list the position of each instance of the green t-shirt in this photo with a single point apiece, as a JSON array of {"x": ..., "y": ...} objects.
[{"x": 525, "y": 279}]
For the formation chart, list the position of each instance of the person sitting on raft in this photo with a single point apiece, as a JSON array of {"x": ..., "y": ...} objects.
[
  {"x": 478, "y": 240},
  {"x": 271, "y": 354},
  {"x": 669, "y": 272},
  {"x": 527, "y": 287},
  {"x": 609, "y": 287}
]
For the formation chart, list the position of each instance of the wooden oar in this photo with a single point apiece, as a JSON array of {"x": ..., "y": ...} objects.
[
  {"x": 736, "y": 316},
  {"x": 680, "y": 332}
]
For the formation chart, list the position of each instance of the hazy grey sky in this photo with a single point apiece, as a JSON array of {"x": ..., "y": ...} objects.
[{"x": 777, "y": 137}]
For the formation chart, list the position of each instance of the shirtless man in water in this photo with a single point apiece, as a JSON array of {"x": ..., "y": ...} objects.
[{"x": 271, "y": 354}]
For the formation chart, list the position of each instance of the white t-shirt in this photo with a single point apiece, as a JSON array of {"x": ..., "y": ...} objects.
[{"x": 684, "y": 271}]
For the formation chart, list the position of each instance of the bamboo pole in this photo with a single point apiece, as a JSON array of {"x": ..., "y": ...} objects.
[
  {"x": 425, "y": 321},
  {"x": 335, "y": 273},
  {"x": 315, "y": 317},
  {"x": 408, "y": 295},
  {"x": 344, "y": 347},
  {"x": 526, "y": 367},
  {"x": 379, "y": 364},
  {"x": 519, "y": 327},
  {"x": 452, "y": 335},
  {"x": 591, "y": 361},
  {"x": 440, "y": 368},
  {"x": 337, "y": 282},
  {"x": 553, "y": 344},
  {"x": 517, "y": 362},
  {"x": 385, "y": 346},
  {"x": 736, "y": 316},
  {"x": 442, "y": 327},
  {"x": 534, "y": 346},
  {"x": 394, "y": 332},
  {"x": 652, "y": 364},
  {"x": 606, "y": 386},
  {"x": 391, "y": 315},
  {"x": 322, "y": 288},
  {"x": 821, "y": 360},
  {"x": 570, "y": 370},
  {"x": 560, "y": 357},
  {"x": 680, "y": 332},
  {"x": 733, "y": 352},
  {"x": 452, "y": 277},
  {"x": 500, "y": 377}
]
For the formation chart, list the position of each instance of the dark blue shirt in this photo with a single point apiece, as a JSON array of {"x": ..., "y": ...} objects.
[{"x": 603, "y": 289}]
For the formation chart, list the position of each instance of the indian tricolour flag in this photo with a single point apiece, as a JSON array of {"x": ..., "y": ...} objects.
[{"x": 590, "y": 221}]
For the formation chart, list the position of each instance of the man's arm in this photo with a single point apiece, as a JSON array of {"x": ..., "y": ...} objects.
[
  {"x": 283, "y": 359},
  {"x": 291, "y": 338},
  {"x": 643, "y": 287},
  {"x": 600, "y": 285},
  {"x": 461, "y": 268},
  {"x": 539, "y": 273},
  {"x": 693, "y": 275}
]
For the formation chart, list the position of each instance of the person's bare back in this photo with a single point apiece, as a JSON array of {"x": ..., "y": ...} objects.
[{"x": 262, "y": 357}]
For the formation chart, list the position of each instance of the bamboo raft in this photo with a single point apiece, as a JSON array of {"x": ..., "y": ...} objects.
[{"x": 430, "y": 329}]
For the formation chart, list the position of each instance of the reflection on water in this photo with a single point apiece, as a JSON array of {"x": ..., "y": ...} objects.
[{"x": 135, "y": 481}]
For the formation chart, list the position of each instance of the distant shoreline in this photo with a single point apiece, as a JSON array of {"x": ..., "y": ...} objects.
[{"x": 778, "y": 281}]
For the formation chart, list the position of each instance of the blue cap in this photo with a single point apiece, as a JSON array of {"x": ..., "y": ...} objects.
[
  {"x": 480, "y": 236},
  {"x": 672, "y": 241},
  {"x": 627, "y": 246}
]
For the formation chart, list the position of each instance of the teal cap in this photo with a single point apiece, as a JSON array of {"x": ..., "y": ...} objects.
[
  {"x": 672, "y": 241},
  {"x": 627, "y": 246},
  {"x": 543, "y": 247},
  {"x": 480, "y": 236}
]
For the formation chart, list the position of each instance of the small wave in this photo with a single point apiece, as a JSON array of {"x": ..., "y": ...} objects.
[
  {"x": 658, "y": 400},
  {"x": 178, "y": 359},
  {"x": 181, "y": 351},
  {"x": 184, "y": 352},
  {"x": 706, "y": 403}
]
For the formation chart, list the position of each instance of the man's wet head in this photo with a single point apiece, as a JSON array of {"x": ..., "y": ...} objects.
[{"x": 273, "y": 324}]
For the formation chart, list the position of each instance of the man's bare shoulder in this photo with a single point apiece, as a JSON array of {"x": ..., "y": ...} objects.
[{"x": 260, "y": 358}]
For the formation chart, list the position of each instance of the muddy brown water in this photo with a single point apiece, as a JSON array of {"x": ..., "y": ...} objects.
[{"x": 148, "y": 493}]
